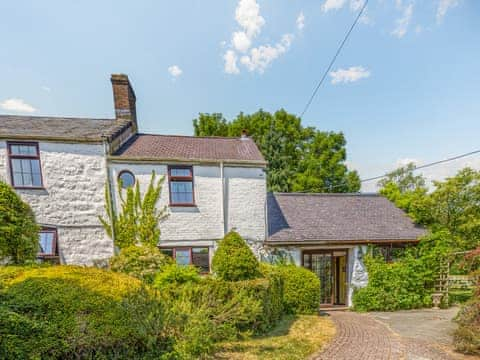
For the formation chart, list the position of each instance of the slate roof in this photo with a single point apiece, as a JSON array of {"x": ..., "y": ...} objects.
[
  {"x": 337, "y": 218},
  {"x": 191, "y": 148},
  {"x": 58, "y": 128}
]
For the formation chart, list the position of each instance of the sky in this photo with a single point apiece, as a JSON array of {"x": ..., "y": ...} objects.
[{"x": 406, "y": 86}]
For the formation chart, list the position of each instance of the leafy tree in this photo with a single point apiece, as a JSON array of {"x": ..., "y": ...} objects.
[
  {"x": 18, "y": 229},
  {"x": 234, "y": 260},
  {"x": 408, "y": 192},
  {"x": 137, "y": 222},
  {"x": 210, "y": 125},
  {"x": 322, "y": 166},
  {"x": 291, "y": 150}
]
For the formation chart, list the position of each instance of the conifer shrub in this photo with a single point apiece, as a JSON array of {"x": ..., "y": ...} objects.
[
  {"x": 301, "y": 287},
  {"x": 142, "y": 262},
  {"x": 173, "y": 275},
  {"x": 68, "y": 312},
  {"x": 234, "y": 260},
  {"x": 18, "y": 229}
]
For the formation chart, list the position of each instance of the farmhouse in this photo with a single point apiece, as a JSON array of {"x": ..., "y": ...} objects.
[{"x": 63, "y": 166}]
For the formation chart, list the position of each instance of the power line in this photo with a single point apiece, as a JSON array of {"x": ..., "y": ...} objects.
[
  {"x": 414, "y": 169},
  {"x": 427, "y": 165},
  {"x": 334, "y": 58}
]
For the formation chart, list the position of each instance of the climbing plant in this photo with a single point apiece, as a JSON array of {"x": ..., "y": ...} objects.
[{"x": 137, "y": 220}]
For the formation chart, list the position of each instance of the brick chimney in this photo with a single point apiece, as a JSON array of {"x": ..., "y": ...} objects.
[{"x": 124, "y": 98}]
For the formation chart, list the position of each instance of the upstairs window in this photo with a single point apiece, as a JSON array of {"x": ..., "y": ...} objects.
[
  {"x": 48, "y": 242},
  {"x": 180, "y": 184},
  {"x": 25, "y": 165}
]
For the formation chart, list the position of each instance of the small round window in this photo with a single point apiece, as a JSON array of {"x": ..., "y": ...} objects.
[{"x": 127, "y": 179}]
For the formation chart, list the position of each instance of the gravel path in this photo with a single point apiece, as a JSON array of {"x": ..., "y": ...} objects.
[{"x": 362, "y": 337}]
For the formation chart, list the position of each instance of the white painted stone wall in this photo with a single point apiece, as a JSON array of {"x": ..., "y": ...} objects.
[
  {"x": 74, "y": 177},
  {"x": 202, "y": 225},
  {"x": 357, "y": 272}
]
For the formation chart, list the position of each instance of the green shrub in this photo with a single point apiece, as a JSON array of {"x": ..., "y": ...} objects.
[
  {"x": 459, "y": 296},
  {"x": 142, "y": 262},
  {"x": 174, "y": 275},
  {"x": 67, "y": 312},
  {"x": 393, "y": 286},
  {"x": 236, "y": 307},
  {"x": 467, "y": 335},
  {"x": 301, "y": 288},
  {"x": 18, "y": 230},
  {"x": 234, "y": 260}
]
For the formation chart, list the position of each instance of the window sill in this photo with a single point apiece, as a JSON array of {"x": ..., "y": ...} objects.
[
  {"x": 29, "y": 187},
  {"x": 182, "y": 205}
]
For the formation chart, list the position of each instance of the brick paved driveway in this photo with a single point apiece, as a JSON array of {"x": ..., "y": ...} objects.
[{"x": 362, "y": 337}]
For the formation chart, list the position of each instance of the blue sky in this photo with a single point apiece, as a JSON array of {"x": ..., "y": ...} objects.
[{"x": 406, "y": 86}]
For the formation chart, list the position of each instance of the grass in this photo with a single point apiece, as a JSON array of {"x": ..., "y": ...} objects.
[{"x": 295, "y": 337}]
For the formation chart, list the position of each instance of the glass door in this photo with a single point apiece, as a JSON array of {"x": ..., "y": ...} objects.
[{"x": 322, "y": 265}]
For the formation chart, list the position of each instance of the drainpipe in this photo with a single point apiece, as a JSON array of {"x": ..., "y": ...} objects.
[
  {"x": 224, "y": 212},
  {"x": 106, "y": 152}
]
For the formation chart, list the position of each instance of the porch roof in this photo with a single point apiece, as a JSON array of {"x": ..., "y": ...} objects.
[{"x": 337, "y": 219}]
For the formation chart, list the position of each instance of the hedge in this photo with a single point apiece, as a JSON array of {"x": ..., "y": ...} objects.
[
  {"x": 67, "y": 312},
  {"x": 393, "y": 286},
  {"x": 142, "y": 262},
  {"x": 301, "y": 288},
  {"x": 467, "y": 335}
]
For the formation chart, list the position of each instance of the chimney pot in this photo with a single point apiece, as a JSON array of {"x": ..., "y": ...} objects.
[{"x": 244, "y": 134}]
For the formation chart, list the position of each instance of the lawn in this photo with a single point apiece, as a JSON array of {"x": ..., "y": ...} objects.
[{"x": 295, "y": 337}]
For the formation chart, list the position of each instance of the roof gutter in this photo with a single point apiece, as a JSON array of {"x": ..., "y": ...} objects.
[
  {"x": 338, "y": 242},
  {"x": 242, "y": 163}
]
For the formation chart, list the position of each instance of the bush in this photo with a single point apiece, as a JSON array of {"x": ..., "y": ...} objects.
[
  {"x": 393, "y": 286},
  {"x": 18, "y": 230},
  {"x": 142, "y": 262},
  {"x": 67, "y": 312},
  {"x": 467, "y": 335},
  {"x": 301, "y": 288},
  {"x": 174, "y": 275},
  {"x": 234, "y": 260},
  {"x": 237, "y": 307}
]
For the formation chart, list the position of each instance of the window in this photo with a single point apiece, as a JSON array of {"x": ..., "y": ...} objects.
[
  {"x": 126, "y": 178},
  {"x": 197, "y": 256},
  {"x": 180, "y": 181},
  {"x": 48, "y": 242},
  {"x": 25, "y": 168}
]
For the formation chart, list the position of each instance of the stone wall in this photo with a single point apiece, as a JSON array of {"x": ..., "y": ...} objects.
[{"x": 74, "y": 177}]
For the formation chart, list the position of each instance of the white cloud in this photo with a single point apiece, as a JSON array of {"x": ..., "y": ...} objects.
[
  {"x": 260, "y": 57},
  {"x": 352, "y": 74},
  {"x": 240, "y": 41},
  {"x": 300, "y": 21},
  {"x": 231, "y": 62},
  {"x": 248, "y": 17},
  {"x": 403, "y": 22},
  {"x": 17, "y": 105},
  {"x": 46, "y": 88},
  {"x": 175, "y": 71},
  {"x": 333, "y": 5},
  {"x": 443, "y": 7},
  {"x": 356, "y": 5}
]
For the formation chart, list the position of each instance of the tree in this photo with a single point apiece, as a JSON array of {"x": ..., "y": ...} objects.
[
  {"x": 322, "y": 166},
  {"x": 290, "y": 149},
  {"x": 18, "y": 229},
  {"x": 137, "y": 222}
]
